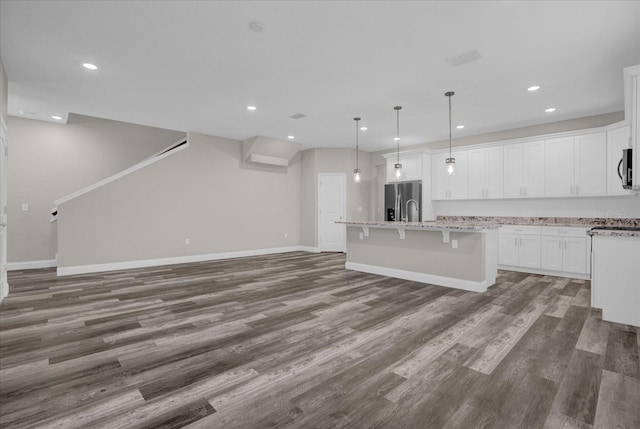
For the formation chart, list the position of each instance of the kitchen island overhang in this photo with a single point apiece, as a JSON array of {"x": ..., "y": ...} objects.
[{"x": 453, "y": 254}]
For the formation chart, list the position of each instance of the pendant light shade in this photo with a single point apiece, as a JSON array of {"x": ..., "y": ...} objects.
[
  {"x": 451, "y": 161},
  {"x": 398, "y": 166},
  {"x": 356, "y": 171}
]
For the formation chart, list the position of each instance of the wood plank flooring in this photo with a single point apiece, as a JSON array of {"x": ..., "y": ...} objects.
[{"x": 295, "y": 340}]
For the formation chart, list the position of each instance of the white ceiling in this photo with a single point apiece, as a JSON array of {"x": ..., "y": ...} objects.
[{"x": 195, "y": 66}]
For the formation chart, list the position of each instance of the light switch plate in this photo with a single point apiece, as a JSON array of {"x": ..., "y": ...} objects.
[{"x": 25, "y": 207}]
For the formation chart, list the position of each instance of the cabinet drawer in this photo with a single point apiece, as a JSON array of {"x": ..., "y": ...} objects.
[
  {"x": 520, "y": 229},
  {"x": 564, "y": 231}
]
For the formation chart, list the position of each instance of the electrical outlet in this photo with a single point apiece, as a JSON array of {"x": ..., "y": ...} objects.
[
  {"x": 454, "y": 244},
  {"x": 25, "y": 207},
  {"x": 361, "y": 236},
  {"x": 286, "y": 235},
  {"x": 187, "y": 241}
]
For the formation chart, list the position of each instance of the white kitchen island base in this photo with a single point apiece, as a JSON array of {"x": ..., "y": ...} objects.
[
  {"x": 615, "y": 283},
  {"x": 425, "y": 254}
]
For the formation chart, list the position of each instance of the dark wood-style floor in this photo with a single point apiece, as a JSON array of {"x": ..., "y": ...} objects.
[{"x": 295, "y": 340}]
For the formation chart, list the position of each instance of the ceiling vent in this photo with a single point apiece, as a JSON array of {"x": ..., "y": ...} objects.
[
  {"x": 463, "y": 58},
  {"x": 298, "y": 116}
]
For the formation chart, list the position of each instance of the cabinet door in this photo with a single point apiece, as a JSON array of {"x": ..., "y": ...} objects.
[
  {"x": 513, "y": 171},
  {"x": 590, "y": 164},
  {"x": 439, "y": 178},
  {"x": 458, "y": 184},
  {"x": 559, "y": 167},
  {"x": 508, "y": 249},
  {"x": 533, "y": 169},
  {"x": 391, "y": 172},
  {"x": 616, "y": 141},
  {"x": 412, "y": 167},
  {"x": 494, "y": 175},
  {"x": 574, "y": 255},
  {"x": 529, "y": 251},
  {"x": 477, "y": 170},
  {"x": 552, "y": 250}
]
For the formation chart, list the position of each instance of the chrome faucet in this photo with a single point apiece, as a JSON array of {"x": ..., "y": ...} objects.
[{"x": 417, "y": 209}]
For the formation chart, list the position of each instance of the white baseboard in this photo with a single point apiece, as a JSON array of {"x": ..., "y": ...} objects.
[
  {"x": 545, "y": 272},
  {"x": 30, "y": 265},
  {"x": 127, "y": 265},
  {"x": 309, "y": 249},
  {"x": 469, "y": 285}
]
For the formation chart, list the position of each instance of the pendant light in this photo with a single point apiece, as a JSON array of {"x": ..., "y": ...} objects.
[
  {"x": 356, "y": 171},
  {"x": 451, "y": 161},
  {"x": 398, "y": 166}
]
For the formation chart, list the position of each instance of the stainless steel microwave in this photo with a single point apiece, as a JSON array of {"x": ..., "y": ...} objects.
[{"x": 625, "y": 168}]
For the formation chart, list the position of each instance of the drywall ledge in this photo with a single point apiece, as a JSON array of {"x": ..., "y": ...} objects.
[
  {"x": 96, "y": 268},
  {"x": 268, "y": 151},
  {"x": 179, "y": 146}
]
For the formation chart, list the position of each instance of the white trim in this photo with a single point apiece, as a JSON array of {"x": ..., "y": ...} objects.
[
  {"x": 123, "y": 173},
  {"x": 309, "y": 249},
  {"x": 545, "y": 272},
  {"x": 451, "y": 282},
  {"x": 30, "y": 265},
  {"x": 127, "y": 265},
  {"x": 4, "y": 290}
]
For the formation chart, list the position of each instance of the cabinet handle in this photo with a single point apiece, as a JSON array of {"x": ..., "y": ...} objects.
[
  {"x": 559, "y": 244},
  {"x": 577, "y": 190}
]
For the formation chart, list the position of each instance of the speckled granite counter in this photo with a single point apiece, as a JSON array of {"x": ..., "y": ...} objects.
[
  {"x": 543, "y": 221},
  {"x": 616, "y": 232},
  {"x": 430, "y": 225}
]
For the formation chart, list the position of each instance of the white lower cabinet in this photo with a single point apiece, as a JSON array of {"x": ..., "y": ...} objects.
[
  {"x": 556, "y": 250},
  {"x": 519, "y": 246},
  {"x": 564, "y": 249}
]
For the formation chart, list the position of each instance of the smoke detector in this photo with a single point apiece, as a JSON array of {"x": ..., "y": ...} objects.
[{"x": 256, "y": 27}]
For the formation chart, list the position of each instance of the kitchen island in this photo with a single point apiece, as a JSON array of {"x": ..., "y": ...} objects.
[{"x": 462, "y": 255}]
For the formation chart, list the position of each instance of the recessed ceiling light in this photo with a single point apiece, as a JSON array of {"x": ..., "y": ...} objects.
[
  {"x": 291, "y": 137},
  {"x": 57, "y": 118},
  {"x": 550, "y": 109},
  {"x": 460, "y": 127},
  {"x": 533, "y": 88},
  {"x": 251, "y": 107},
  {"x": 363, "y": 128},
  {"x": 89, "y": 66}
]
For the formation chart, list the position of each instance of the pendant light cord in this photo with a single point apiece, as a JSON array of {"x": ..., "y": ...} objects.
[
  {"x": 397, "y": 109},
  {"x": 357, "y": 121},
  {"x": 450, "y": 125}
]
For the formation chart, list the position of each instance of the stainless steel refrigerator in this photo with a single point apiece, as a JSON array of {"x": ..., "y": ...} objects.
[{"x": 403, "y": 201}]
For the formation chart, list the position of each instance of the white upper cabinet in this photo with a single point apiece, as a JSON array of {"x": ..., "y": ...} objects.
[
  {"x": 617, "y": 140},
  {"x": 559, "y": 167},
  {"x": 485, "y": 172},
  {"x": 445, "y": 186},
  {"x": 590, "y": 153},
  {"x": 524, "y": 170},
  {"x": 411, "y": 168},
  {"x": 576, "y": 166}
]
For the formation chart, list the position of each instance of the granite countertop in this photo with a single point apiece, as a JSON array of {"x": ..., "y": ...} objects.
[
  {"x": 632, "y": 232},
  {"x": 434, "y": 225},
  {"x": 546, "y": 221}
]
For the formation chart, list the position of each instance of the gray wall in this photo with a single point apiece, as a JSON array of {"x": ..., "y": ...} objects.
[
  {"x": 4, "y": 90},
  {"x": 204, "y": 193},
  {"x": 359, "y": 195},
  {"x": 48, "y": 161}
]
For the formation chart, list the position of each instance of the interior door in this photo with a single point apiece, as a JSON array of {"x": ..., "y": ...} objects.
[
  {"x": 332, "y": 204},
  {"x": 4, "y": 286}
]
